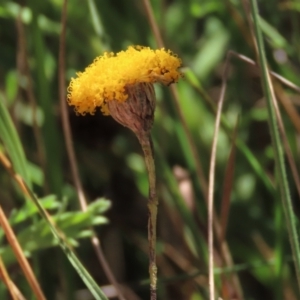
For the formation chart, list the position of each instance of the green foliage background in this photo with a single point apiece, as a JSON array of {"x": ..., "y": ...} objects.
[{"x": 110, "y": 158}]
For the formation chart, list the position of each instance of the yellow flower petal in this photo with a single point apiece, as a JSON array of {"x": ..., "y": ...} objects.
[{"x": 107, "y": 77}]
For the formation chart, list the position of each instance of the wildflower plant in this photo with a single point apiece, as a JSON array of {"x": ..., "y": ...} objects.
[
  {"x": 121, "y": 85},
  {"x": 230, "y": 171}
]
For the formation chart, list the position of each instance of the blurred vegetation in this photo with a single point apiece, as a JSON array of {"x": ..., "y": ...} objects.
[{"x": 110, "y": 159}]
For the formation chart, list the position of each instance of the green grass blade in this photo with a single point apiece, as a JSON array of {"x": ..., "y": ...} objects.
[
  {"x": 278, "y": 150},
  {"x": 12, "y": 143},
  {"x": 82, "y": 272},
  {"x": 52, "y": 140}
]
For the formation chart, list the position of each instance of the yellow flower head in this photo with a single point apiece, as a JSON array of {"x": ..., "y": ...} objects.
[{"x": 108, "y": 76}]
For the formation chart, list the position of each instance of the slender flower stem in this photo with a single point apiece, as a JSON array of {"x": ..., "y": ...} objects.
[{"x": 147, "y": 146}]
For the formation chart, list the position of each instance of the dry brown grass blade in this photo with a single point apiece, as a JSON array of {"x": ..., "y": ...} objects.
[
  {"x": 227, "y": 187},
  {"x": 286, "y": 145},
  {"x": 211, "y": 183},
  {"x": 221, "y": 228},
  {"x": 23, "y": 69},
  {"x": 19, "y": 253},
  {"x": 288, "y": 106},
  {"x": 184, "y": 264},
  {"x": 4, "y": 276},
  {"x": 273, "y": 74},
  {"x": 195, "y": 152},
  {"x": 240, "y": 22},
  {"x": 71, "y": 153}
]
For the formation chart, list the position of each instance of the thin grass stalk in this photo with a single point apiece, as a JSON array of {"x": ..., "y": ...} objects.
[
  {"x": 153, "y": 23},
  {"x": 211, "y": 182},
  {"x": 227, "y": 186},
  {"x": 288, "y": 105},
  {"x": 4, "y": 276},
  {"x": 21, "y": 257},
  {"x": 279, "y": 263},
  {"x": 191, "y": 153},
  {"x": 24, "y": 70},
  {"x": 147, "y": 146},
  {"x": 272, "y": 73},
  {"x": 238, "y": 18},
  {"x": 278, "y": 150},
  {"x": 286, "y": 145},
  {"x": 64, "y": 111}
]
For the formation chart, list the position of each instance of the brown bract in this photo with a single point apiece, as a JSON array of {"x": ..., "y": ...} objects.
[{"x": 137, "y": 112}]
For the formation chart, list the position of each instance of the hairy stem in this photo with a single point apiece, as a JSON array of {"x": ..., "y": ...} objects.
[{"x": 147, "y": 146}]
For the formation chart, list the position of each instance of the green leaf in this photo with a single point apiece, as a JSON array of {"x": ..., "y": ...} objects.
[
  {"x": 12, "y": 143},
  {"x": 275, "y": 38}
]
